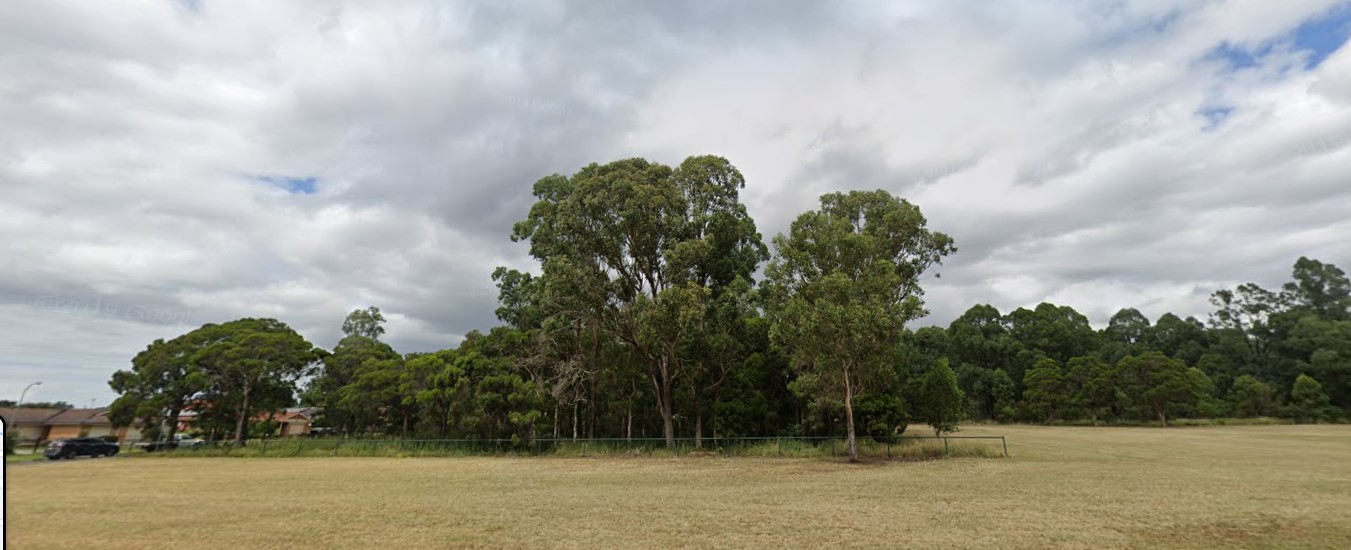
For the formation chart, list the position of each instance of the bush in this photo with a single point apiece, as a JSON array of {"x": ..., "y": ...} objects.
[
  {"x": 881, "y": 415},
  {"x": 10, "y": 443},
  {"x": 1308, "y": 402}
]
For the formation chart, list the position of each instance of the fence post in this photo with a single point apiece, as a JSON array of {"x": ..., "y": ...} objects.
[
  {"x": 336, "y": 442},
  {"x": 264, "y": 449},
  {"x": 1006, "y": 446},
  {"x": 888, "y": 447},
  {"x": 778, "y": 442},
  {"x": 945, "y": 447}
]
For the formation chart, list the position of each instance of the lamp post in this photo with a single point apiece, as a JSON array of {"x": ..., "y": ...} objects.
[{"x": 25, "y": 393}]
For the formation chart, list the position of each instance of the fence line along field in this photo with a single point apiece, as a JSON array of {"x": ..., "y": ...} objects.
[{"x": 1063, "y": 487}]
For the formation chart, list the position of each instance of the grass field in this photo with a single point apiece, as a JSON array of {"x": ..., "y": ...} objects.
[{"x": 1064, "y": 487}]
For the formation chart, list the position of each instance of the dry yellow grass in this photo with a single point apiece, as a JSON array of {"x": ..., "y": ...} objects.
[{"x": 1218, "y": 487}]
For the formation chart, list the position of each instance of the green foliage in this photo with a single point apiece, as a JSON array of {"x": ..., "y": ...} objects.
[
  {"x": 228, "y": 372},
  {"x": 1093, "y": 386},
  {"x": 1159, "y": 383},
  {"x": 844, "y": 281},
  {"x": 1250, "y": 397},
  {"x": 11, "y": 441},
  {"x": 939, "y": 401},
  {"x": 354, "y": 356},
  {"x": 37, "y": 404},
  {"x": 644, "y": 319},
  {"x": 1321, "y": 289},
  {"x": 1308, "y": 402},
  {"x": 639, "y": 253},
  {"x": 1046, "y": 390},
  {"x": 364, "y": 323},
  {"x": 1058, "y": 332},
  {"x": 881, "y": 415},
  {"x": 988, "y": 391},
  {"x": 1206, "y": 404},
  {"x": 253, "y": 365}
]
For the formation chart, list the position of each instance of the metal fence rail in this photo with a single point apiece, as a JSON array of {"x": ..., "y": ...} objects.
[{"x": 790, "y": 446}]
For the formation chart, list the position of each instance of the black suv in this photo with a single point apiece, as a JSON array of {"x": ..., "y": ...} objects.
[{"x": 86, "y": 446}]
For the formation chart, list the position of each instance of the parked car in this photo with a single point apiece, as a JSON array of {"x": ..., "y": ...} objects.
[
  {"x": 83, "y": 446},
  {"x": 180, "y": 441}
]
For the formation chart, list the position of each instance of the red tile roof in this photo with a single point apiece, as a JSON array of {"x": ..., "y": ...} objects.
[
  {"x": 26, "y": 416},
  {"x": 77, "y": 417}
]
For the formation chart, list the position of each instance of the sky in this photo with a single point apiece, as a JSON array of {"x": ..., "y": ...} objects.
[{"x": 165, "y": 164}]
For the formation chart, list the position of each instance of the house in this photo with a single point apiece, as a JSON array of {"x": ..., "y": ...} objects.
[
  {"x": 291, "y": 422},
  {"x": 295, "y": 421},
  {"x": 33, "y": 425},
  {"x": 27, "y": 424},
  {"x": 36, "y": 425}
]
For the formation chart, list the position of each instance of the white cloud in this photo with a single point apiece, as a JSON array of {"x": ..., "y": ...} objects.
[{"x": 1061, "y": 143}]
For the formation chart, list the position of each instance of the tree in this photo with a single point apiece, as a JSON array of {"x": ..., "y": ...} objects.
[
  {"x": 434, "y": 384},
  {"x": 510, "y": 404},
  {"x": 249, "y": 358},
  {"x": 842, "y": 285},
  {"x": 939, "y": 400},
  {"x": 990, "y": 391},
  {"x": 1204, "y": 404},
  {"x": 881, "y": 414},
  {"x": 340, "y": 369},
  {"x": 1058, "y": 332},
  {"x": 1247, "y": 311},
  {"x": 1046, "y": 390},
  {"x": 1250, "y": 397},
  {"x": 988, "y": 368},
  {"x": 1308, "y": 403},
  {"x": 1320, "y": 288},
  {"x": 633, "y": 250},
  {"x": 366, "y": 323},
  {"x": 1322, "y": 349},
  {"x": 1093, "y": 383},
  {"x": 1178, "y": 338},
  {"x": 37, "y": 404},
  {"x": 373, "y": 401},
  {"x": 1158, "y": 381},
  {"x": 1128, "y": 326},
  {"x": 718, "y": 343},
  {"x": 163, "y": 380}
]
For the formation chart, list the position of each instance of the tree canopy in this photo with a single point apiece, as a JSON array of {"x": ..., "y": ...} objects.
[{"x": 644, "y": 318}]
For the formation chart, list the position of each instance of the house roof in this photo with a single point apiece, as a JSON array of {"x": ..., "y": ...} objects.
[
  {"x": 78, "y": 417},
  {"x": 27, "y": 415},
  {"x": 293, "y": 414}
]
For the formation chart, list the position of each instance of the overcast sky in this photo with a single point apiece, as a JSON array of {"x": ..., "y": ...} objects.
[{"x": 168, "y": 164}]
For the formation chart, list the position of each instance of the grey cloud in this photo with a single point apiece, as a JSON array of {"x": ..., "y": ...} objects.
[{"x": 130, "y": 136}]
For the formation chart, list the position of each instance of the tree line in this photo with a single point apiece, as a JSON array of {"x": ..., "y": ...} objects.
[{"x": 646, "y": 319}]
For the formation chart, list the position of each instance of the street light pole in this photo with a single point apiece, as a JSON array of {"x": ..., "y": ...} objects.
[{"x": 25, "y": 393}]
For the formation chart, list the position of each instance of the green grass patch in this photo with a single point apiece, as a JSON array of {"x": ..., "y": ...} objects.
[{"x": 898, "y": 448}]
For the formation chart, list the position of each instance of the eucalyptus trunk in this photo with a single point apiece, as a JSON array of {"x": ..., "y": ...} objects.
[{"x": 243, "y": 418}]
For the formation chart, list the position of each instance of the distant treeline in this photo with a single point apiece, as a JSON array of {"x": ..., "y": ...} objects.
[
  {"x": 37, "y": 404},
  {"x": 645, "y": 321}
]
